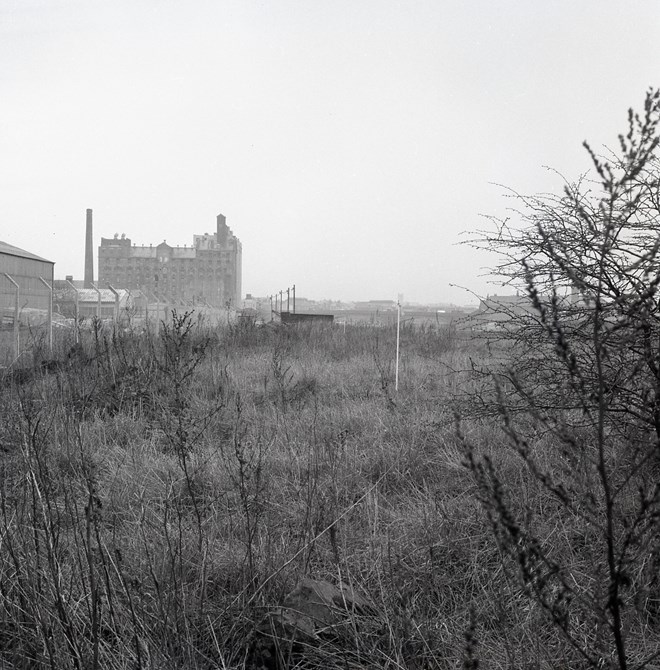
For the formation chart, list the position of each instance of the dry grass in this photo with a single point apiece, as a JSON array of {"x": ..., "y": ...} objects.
[{"x": 149, "y": 517}]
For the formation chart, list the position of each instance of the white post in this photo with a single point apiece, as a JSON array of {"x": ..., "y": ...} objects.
[
  {"x": 398, "y": 329},
  {"x": 50, "y": 314}
]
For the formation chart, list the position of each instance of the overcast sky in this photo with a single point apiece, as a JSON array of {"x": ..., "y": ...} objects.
[{"x": 348, "y": 142}]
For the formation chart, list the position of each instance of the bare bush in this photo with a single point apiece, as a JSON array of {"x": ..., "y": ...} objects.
[{"x": 576, "y": 385}]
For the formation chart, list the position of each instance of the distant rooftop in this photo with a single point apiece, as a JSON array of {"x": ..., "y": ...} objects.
[
  {"x": 11, "y": 250},
  {"x": 91, "y": 295}
]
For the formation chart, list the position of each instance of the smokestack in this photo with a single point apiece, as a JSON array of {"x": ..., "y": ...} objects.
[{"x": 89, "y": 252}]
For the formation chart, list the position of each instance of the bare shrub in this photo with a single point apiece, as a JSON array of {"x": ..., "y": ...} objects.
[{"x": 576, "y": 387}]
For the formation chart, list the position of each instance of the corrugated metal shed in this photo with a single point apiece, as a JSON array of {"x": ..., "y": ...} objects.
[
  {"x": 90, "y": 295},
  {"x": 25, "y": 269},
  {"x": 11, "y": 250}
]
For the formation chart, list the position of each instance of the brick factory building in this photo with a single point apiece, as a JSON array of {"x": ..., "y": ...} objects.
[{"x": 208, "y": 271}]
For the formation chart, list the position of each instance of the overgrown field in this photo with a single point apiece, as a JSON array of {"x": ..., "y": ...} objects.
[{"x": 159, "y": 493}]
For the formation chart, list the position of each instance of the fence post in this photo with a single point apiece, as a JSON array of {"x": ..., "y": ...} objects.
[
  {"x": 17, "y": 331},
  {"x": 77, "y": 312},
  {"x": 50, "y": 314},
  {"x": 98, "y": 304},
  {"x": 147, "y": 321},
  {"x": 158, "y": 319},
  {"x": 116, "y": 294},
  {"x": 146, "y": 307}
]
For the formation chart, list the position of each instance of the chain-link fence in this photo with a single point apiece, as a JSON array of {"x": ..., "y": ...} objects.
[
  {"x": 25, "y": 315},
  {"x": 35, "y": 318}
]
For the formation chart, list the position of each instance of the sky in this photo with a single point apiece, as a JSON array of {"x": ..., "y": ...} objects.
[{"x": 351, "y": 144}]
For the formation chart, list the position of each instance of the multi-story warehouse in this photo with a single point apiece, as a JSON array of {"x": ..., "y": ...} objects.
[{"x": 209, "y": 271}]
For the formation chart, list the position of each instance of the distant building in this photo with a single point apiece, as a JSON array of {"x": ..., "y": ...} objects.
[
  {"x": 501, "y": 312},
  {"x": 294, "y": 318},
  {"x": 209, "y": 271},
  {"x": 377, "y": 305},
  {"x": 26, "y": 270},
  {"x": 87, "y": 302}
]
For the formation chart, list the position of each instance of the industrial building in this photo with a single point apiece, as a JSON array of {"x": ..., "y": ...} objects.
[
  {"x": 207, "y": 272},
  {"x": 83, "y": 303},
  {"x": 21, "y": 275}
]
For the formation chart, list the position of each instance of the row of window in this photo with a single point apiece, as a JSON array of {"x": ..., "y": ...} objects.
[{"x": 122, "y": 262}]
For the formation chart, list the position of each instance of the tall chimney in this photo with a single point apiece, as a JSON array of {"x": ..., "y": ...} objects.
[{"x": 89, "y": 252}]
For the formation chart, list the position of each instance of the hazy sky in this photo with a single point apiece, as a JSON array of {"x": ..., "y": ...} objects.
[{"x": 348, "y": 142}]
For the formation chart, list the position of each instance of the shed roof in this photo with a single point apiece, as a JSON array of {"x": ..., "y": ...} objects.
[
  {"x": 90, "y": 294},
  {"x": 11, "y": 250}
]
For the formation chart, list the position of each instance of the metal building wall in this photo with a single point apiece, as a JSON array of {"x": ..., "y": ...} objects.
[{"x": 33, "y": 295}]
